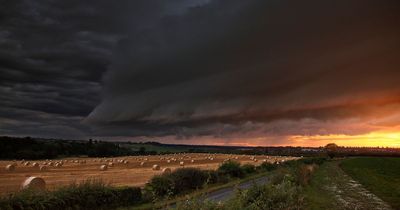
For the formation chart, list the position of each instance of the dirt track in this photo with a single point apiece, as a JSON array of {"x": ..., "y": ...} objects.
[{"x": 121, "y": 174}]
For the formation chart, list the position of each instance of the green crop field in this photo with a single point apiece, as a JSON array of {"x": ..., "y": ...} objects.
[{"x": 381, "y": 176}]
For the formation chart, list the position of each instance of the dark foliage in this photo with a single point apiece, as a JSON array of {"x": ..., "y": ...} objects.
[
  {"x": 89, "y": 195},
  {"x": 232, "y": 169},
  {"x": 267, "y": 166},
  {"x": 28, "y": 148},
  {"x": 249, "y": 168}
]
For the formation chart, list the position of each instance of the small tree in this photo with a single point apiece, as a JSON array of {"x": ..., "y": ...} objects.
[{"x": 331, "y": 149}]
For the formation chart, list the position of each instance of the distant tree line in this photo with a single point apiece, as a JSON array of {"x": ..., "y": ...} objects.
[{"x": 30, "y": 148}]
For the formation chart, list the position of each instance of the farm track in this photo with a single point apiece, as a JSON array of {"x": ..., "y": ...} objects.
[{"x": 347, "y": 193}]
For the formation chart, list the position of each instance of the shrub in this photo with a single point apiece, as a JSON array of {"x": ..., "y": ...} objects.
[
  {"x": 185, "y": 179},
  {"x": 198, "y": 204},
  {"x": 161, "y": 185},
  {"x": 232, "y": 169},
  {"x": 303, "y": 173},
  {"x": 180, "y": 181},
  {"x": 214, "y": 177},
  {"x": 88, "y": 195},
  {"x": 285, "y": 195},
  {"x": 267, "y": 166},
  {"x": 129, "y": 195},
  {"x": 249, "y": 168}
]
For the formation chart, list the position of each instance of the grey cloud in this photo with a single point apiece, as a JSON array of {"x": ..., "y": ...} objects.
[
  {"x": 181, "y": 68},
  {"x": 231, "y": 62}
]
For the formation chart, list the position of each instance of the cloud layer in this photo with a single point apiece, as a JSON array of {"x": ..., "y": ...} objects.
[
  {"x": 199, "y": 69},
  {"x": 269, "y": 67}
]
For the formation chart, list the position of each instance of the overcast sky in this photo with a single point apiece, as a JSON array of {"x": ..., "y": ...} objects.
[{"x": 255, "y": 72}]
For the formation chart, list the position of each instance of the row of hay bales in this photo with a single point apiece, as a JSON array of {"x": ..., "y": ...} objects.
[
  {"x": 42, "y": 167},
  {"x": 110, "y": 162},
  {"x": 38, "y": 183}
]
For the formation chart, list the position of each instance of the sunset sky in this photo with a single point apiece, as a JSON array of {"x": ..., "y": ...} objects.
[{"x": 225, "y": 72}]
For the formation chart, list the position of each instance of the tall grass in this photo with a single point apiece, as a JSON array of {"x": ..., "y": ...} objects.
[{"x": 87, "y": 195}]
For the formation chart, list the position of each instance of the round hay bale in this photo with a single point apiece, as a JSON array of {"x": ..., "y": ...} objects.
[
  {"x": 211, "y": 158},
  {"x": 10, "y": 167},
  {"x": 58, "y": 165},
  {"x": 182, "y": 163},
  {"x": 43, "y": 168},
  {"x": 156, "y": 167},
  {"x": 34, "y": 183},
  {"x": 192, "y": 161},
  {"x": 35, "y": 164},
  {"x": 103, "y": 168},
  {"x": 27, "y": 163},
  {"x": 142, "y": 163},
  {"x": 168, "y": 161},
  {"x": 110, "y": 164},
  {"x": 255, "y": 160},
  {"x": 126, "y": 161},
  {"x": 51, "y": 164}
]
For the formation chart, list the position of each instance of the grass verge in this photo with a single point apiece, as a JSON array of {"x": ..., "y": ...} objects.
[{"x": 381, "y": 176}]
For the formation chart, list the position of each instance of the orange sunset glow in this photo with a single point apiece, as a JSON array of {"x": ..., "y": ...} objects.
[{"x": 375, "y": 139}]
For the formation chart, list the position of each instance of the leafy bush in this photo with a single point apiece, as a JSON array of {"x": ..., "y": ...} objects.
[
  {"x": 249, "y": 168},
  {"x": 198, "y": 204},
  {"x": 180, "y": 181},
  {"x": 161, "y": 185},
  {"x": 232, "y": 169},
  {"x": 303, "y": 173},
  {"x": 214, "y": 177},
  {"x": 285, "y": 195},
  {"x": 265, "y": 166},
  {"x": 88, "y": 195},
  {"x": 185, "y": 179}
]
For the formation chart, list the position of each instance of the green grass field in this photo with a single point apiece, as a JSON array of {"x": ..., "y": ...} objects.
[{"x": 381, "y": 176}]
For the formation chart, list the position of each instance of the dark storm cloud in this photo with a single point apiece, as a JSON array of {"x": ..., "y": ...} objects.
[
  {"x": 53, "y": 55},
  {"x": 219, "y": 66},
  {"x": 198, "y": 68}
]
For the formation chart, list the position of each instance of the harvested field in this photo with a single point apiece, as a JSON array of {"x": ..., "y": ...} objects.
[{"x": 124, "y": 171}]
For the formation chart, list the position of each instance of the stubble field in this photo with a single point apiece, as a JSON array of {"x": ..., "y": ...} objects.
[{"x": 121, "y": 171}]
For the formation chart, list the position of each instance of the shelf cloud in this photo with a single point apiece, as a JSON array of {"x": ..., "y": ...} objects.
[{"x": 199, "y": 69}]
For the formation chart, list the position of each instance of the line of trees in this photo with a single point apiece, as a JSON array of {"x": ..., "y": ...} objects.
[{"x": 29, "y": 148}]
